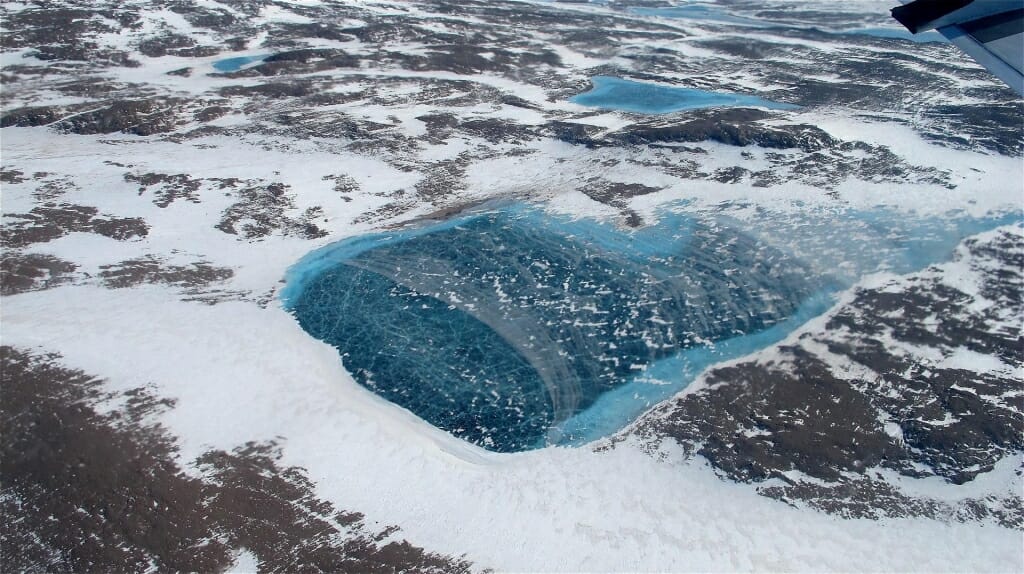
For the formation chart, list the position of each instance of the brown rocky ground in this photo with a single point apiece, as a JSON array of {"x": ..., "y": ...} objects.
[
  {"x": 93, "y": 490},
  {"x": 816, "y": 419}
]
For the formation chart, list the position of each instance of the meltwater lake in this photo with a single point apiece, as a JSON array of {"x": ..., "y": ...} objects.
[
  {"x": 648, "y": 98},
  {"x": 237, "y": 63},
  {"x": 514, "y": 328}
]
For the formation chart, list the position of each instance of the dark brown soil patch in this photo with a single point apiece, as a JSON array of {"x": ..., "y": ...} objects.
[
  {"x": 149, "y": 269},
  {"x": 262, "y": 209},
  {"x": 168, "y": 187},
  {"x": 32, "y": 272},
  {"x": 11, "y": 176},
  {"x": 865, "y": 393},
  {"x": 50, "y": 221},
  {"x": 85, "y": 491}
]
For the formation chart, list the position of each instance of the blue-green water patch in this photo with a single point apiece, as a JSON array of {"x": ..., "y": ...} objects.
[
  {"x": 513, "y": 328},
  {"x": 237, "y": 63},
  {"x": 843, "y": 246},
  {"x": 662, "y": 379},
  {"x": 647, "y": 98},
  {"x": 500, "y": 325},
  {"x": 848, "y": 244}
]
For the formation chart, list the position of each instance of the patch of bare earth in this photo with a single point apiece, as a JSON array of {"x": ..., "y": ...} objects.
[
  {"x": 51, "y": 221},
  {"x": 21, "y": 272},
  {"x": 822, "y": 417},
  {"x": 87, "y": 489}
]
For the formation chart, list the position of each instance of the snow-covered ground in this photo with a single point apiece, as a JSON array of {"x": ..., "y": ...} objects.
[{"x": 207, "y": 187}]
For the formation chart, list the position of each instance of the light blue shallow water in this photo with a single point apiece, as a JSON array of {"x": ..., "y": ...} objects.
[
  {"x": 843, "y": 246},
  {"x": 849, "y": 244},
  {"x": 661, "y": 380},
  {"x": 647, "y": 98},
  {"x": 236, "y": 63},
  {"x": 515, "y": 329}
]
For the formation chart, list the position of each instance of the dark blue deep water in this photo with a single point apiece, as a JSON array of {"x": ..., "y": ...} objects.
[
  {"x": 646, "y": 98},
  {"x": 501, "y": 325},
  {"x": 515, "y": 329}
]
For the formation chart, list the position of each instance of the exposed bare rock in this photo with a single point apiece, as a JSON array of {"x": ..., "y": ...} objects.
[
  {"x": 142, "y": 117},
  {"x": 168, "y": 187},
  {"x": 22, "y": 272},
  {"x": 11, "y": 176},
  {"x": 262, "y": 210},
  {"x": 51, "y": 221},
  {"x": 867, "y": 393},
  {"x": 89, "y": 489},
  {"x": 152, "y": 270}
]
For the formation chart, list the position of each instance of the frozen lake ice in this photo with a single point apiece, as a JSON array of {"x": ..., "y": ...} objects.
[{"x": 516, "y": 329}]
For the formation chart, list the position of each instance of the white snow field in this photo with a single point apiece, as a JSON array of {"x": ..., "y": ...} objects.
[{"x": 241, "y": 369}]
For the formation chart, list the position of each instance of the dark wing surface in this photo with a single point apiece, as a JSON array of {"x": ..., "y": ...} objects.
[{"x": 990, "y": 31}]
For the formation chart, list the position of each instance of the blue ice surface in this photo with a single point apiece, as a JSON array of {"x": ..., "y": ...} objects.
[
  {"x": 647, "y": 98},
  {"x": 237, "y": 63},
  {"x": 516, "y": 329},
  {"x": 661, "y": 380},
  {"x": 701, "y": 12},
  {"x": 900, "y": 34},
  {"x": 850, "y": 244}
]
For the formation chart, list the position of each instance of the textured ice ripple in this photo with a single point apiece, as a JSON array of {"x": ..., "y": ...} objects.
[
  {"x": 501, "y": 326},
  {"x": 515, "y": 329},
  {"x": 507, "y": 323}
]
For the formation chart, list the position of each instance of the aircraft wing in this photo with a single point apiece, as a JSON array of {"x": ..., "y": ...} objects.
[{"x": 990, "y": 31}]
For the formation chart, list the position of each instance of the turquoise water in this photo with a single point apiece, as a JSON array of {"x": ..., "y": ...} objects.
[
  {"x": 498, "y": 326},
  {"x": 236, "y": 63},
  {"x": 849, "y": 244},
  {"x": 663, "y": 379},
  {"x": 516, "y": 329},
  {"x": 632, "y": 96},
  {"x": 843, "y": 246}
]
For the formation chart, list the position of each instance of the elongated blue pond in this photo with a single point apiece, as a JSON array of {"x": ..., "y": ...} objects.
[
  {"x": 516, "y": 329},
  {"x": 647, "y": 98},
  {"x": 236, "y": 63}
]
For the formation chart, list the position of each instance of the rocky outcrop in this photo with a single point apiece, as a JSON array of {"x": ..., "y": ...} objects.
[{"x": 918, "y": 376}]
